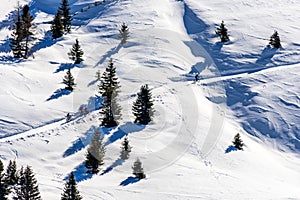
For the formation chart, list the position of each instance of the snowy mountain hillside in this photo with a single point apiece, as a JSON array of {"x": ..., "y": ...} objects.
[{"x": 186, "y": 150}]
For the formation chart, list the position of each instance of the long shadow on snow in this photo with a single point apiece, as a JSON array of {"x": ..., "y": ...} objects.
[
  {"x": 80, "y": 173},
  {"x": 123, "y": 130},
  {"x": 117, "y": 163},
  {"x": 80, "y": 143},
  {"x": 129, "y": 180},
  {"x": 59, "y": 93}
]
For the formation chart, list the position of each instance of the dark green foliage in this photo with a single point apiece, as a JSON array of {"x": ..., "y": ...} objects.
[
  {"x": 27, "y": 188},
  {"x": 237, "y": 142},
  {"x": 12, "y": 173},
  {"x": 57, "y": 27},
  {"x": 125, "y": 149},
  {"x": 98, "y": 75},
  {"x": 69, "y": 81},
  {"x": 76, "y": 53},
  {"x": 108, "y": 89},
  {"x": 70, "y": 191},
  {"x": 4, "y": 188},
  {"x": 27, "y": 28},
  {"x": 16, "y": 44},
  {"x": 138, "y": 170},
  {"x": 124, "y": 31},
  {"x": 142, "y": 107},
  {"x": 222, "y": 32},
  {"x": 275, "y": 40},
  {"x": 66, "y": 17},
  {"x": 95, "y": 154}
]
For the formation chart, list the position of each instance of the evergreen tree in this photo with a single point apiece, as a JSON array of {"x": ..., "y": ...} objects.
[
  {"x": 66, "y": 17},
  {"x": 16, "y": 44},
  {"x": 108, "y": 89},
  {"x": 95, "y": 154},
  {"x": 124, "y": 32},
  {"x": 138, "y": 170},
  {"x": 222, "y": 32},
  {"x": 4, "y": 188},
  {"x": 76, "y": 53},
  {"x": 27, "y": 188},
  {"x": 237, "y": 142},
  {"x": 27, "y": 28},
  {"x": 98, "y": 75},
  {"x": 69, "y": 81},
  {"x": 70, "y": 191},
  {"x": 12, "y": 173},
  {"x": 142, "y": 107},
  {"x": 125, "y": 149},
  {"x": 275, "y": 40},
  {"x": 57, "y": 27}
]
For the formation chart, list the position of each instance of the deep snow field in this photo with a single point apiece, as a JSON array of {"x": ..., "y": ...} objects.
[{"x": 246, "y": 87}]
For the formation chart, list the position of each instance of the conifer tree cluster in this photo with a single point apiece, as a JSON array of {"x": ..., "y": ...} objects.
[
  {"x": 125, "y": 149},
  {"x": 237, "y": 142},
  {"x": 222, "y": 32},
  {"x": 142, "y": 107},
  {"x": 70, "y": 191},
  {"x": 62, "y": 20},
  {"x": 275, "y": 40},
  {"x": 108, "y": 89},
  {"x": 22, "y": 34},
  {"x": 69, "y": 81},
  {"x": 76, "y": 53},
  {"x": 27, "y": 188},
  {"x": 4, "y": 186},
  {"x": 124, "y": 32},
  {"x": 138, "y": 170},
  {"x": 95, "y": 154}
]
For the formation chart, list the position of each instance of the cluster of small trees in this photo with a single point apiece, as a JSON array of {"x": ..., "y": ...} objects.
[
  {"x": 22, "y": 33},
  {"x": 21, "y": 183},
  {"x": 62, "y": 20},
  {"x": 222, "y": 32}
]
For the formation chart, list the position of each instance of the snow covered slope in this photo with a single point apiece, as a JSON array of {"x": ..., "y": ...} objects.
[{"x": 184, "y": 149}]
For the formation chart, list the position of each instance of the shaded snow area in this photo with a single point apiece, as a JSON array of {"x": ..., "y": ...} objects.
[{"x": 245, "y": 87}]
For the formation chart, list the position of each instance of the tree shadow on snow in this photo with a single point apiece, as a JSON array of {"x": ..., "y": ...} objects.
[
  {"x": 80, "y": 173},
  {"x": 230, "y": 149},
  {"x": 63, "y": 66},
  {"x": 117, "y": 163},
  {"x": 129, "y": 180},
  {"x": 123, "y": 130},
  {"x": 59, "y": 93},
  {"x": 80, "y": 143}
]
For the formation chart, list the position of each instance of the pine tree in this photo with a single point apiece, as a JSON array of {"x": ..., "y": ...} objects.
[
  {"x": 76, "y": 53},
  {"x": 69, "y": 81},
  {"x": 142, "y": 107},
  {"x": 95, "y": 154},
  {"x": 138, "y": 170},
  {"x": 27, "y": 28},
  {"x": 27, "y": 188},
  {"x": 108, "y": 89},
  {"x": 98, "y": 75},
  {"x": 124, "y": 31},
  {"x": 16, "y": 44},
  {"x": 222, "y": 32},
  {"x": 275, "y": 40},
  {"x": 4, "y": 188},
  {"x": 237, "y": 142},
  {"x": 125, "y": 149},
  {"x": 70, "y": 191},
  {"x": 12, "y": 173},
  {"x": 57, "y": 27},
  {"x": 66, "y": 17}
]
